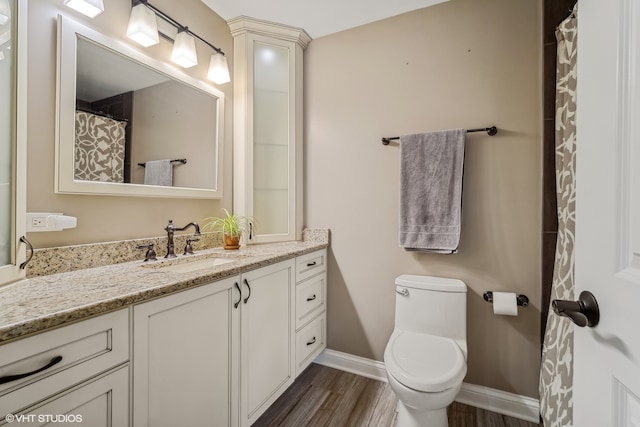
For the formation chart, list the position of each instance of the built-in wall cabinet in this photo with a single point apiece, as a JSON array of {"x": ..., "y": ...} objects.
[{"x": 267, "y": 129}]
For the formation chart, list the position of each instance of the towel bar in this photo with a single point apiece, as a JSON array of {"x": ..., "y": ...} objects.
[
  {"x": 183, "y": 161},
  {"x": 491, "y": 131}
]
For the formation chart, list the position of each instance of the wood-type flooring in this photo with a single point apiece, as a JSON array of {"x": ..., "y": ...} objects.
[{"x": 323, "y": 396}]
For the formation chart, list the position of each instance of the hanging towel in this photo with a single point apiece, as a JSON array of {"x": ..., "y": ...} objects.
[
  {"x": 158, "y": 172},
  {"x": 431, "y": 190}
]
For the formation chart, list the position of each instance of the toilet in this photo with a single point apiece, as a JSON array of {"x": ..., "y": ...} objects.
[{"x": 426, "y": 356}]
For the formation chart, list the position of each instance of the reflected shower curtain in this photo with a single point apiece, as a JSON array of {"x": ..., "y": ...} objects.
[
  {"x": 556, "y": 371},
  {"x": 99, "y": 148}
]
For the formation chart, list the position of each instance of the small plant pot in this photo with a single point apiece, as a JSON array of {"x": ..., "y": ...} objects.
[{"x": 231, "y": 242}]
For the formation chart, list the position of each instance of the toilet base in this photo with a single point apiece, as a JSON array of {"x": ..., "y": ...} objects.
[{"x": 411, "y": 417}]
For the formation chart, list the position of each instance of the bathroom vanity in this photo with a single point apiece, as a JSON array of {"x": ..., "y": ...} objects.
[{"x": 195, "y": 343}]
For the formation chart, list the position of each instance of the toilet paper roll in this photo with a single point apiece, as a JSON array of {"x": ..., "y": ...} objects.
[{"x": 505, "y": 303}]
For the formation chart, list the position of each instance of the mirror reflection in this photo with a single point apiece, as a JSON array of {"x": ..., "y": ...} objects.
[
  {"x": 132, "y": 122},
  {"x": 138, "y": 125}
]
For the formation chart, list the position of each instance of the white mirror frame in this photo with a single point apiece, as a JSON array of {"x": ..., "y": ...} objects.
[{"x": 65, "y": 182}]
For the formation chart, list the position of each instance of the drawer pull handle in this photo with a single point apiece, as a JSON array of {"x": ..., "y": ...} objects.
[
  {"x": 313, "y": 341},
  {"x": 312, "y": 298},
  {"x": 235, "y": 304},
  {"x": 9, "y": 378},
  {"x": 311, "y": 264},
  {"x": 248, "y": 287}
]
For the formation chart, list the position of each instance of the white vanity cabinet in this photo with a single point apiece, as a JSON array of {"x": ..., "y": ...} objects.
[
  {"x": 268, "y": 337},
  {"x": 185, "y": 357},
  {"x": 267, "y": 128},
  {"x": 216, "y": 355},
  {"x": 311, "y": 307},
  {"x": 79, "y": 371}
]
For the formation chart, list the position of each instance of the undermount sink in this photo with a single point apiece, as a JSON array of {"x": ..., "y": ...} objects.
[{"x": 189, "y": 266}]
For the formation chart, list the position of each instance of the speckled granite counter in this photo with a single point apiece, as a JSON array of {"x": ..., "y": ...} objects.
[{"x": 39, "y": 303}]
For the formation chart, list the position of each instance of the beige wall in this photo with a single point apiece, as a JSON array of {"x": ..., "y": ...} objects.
[
  {"x": 465, "y": 63},
  {"x": 102, "y": 218},
  {"x": 153, "y": 141}
]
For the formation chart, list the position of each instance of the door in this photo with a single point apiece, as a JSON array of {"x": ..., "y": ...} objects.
[
  {"x": 185, "y": 352},
  {"x": 267, "y": 343},
  {"x": 607, "y": 356}
]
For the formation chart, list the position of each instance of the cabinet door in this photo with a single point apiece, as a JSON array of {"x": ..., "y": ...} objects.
[
  {"x": 185, "y": 353},
  {"x": 267, "y": 329},
  {"x": 100, "y": 402}
]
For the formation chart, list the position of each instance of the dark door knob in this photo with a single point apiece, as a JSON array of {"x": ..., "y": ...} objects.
[{"x": 583, "y": 312}]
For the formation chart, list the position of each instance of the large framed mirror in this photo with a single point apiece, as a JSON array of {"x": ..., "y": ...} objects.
[{"x": 128, "y": 124}]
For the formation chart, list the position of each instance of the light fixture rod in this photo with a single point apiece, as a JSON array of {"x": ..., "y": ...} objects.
[{"x": 175, "y": 23}]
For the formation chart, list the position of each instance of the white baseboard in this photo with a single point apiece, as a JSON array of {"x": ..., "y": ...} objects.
[
  {"x": 501, "y": 402},
  {"x": 354, "y": 364}
]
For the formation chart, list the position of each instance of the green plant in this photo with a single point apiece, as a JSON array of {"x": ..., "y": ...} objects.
[{"x": 231, "y": 224}]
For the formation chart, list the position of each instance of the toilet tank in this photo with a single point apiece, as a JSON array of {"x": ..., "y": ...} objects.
[{"x": 432, "y": 305}]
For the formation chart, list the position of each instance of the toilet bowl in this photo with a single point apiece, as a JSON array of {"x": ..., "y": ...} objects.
[{"x": 425, "y": 358}]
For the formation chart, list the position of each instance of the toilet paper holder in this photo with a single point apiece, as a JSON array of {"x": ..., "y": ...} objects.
[{"x": 521, "y": 299}]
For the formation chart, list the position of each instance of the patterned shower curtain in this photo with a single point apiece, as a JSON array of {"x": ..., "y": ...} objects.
[
  {"x": 556, "y": 371},
  {"x": 99, "y": 148}
]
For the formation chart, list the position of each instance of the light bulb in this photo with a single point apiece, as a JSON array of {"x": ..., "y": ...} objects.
[
  {"x": 218, "y": 69},
  {"x": 143, "y": 26},
  {"x": 184, "y": 50},
  {"x": 90, "y": 8}
]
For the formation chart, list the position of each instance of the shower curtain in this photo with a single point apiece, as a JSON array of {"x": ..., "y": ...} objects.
[
  {"x": 99, "y": 148},
  {"x": 556, "y": 371}
]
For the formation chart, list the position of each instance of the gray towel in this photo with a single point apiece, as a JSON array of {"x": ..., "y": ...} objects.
[
  {"x": 431, "y": 190},
  {"x": 158, "y": 172}
]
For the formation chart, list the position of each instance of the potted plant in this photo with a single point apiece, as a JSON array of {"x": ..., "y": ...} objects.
[{"x": 232, "y": 227}]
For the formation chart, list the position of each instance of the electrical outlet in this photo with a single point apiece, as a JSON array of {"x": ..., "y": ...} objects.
[{"x": 40, "y": 222}]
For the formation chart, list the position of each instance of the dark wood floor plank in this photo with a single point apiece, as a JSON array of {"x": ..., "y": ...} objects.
[
  {"x": 306, "y": 407},
  {"x": 327, "y": 397},
  {"x": 279, "y": 410},
  {"x": 347, "y": 399},
  {"x": 385, "y": 410},
  {"x": 364, "y": 405}
]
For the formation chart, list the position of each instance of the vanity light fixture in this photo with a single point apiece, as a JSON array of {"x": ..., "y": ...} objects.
[
  {"x": 218, "y": 69},
  {"x": 5, "y": 11},
  {"x": 143, "y": 26},
  {"x": 184, "y": 48},
  {"x": 90, "y": 8}
]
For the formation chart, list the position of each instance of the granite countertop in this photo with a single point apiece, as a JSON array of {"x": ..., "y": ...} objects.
[{"x": 43, "y": 302}]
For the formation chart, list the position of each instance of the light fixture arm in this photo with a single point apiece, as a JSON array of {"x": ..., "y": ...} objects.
[{"x": 175, "y": 23}]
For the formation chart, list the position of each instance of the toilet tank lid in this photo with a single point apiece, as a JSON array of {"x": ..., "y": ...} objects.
[{"x": 431, "y": 283}]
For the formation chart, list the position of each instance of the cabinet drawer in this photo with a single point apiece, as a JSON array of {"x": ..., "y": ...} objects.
[
  {"x": 310, "y": 341},
  {"x": 85, "y": 349},
  {"x": 310, "y": 264},
  {"x": 310, "y": 299}
]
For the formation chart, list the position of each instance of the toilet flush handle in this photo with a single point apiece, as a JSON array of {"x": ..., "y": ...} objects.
[{"x": 403, "y": 292}]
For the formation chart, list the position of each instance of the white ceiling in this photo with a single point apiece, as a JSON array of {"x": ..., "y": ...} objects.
[{"x": 318, "y": 18}]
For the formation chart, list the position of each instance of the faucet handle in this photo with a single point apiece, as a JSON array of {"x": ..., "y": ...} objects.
[
  {"x": 151, "y": 254},
  {"x": 188, "y": 249}
]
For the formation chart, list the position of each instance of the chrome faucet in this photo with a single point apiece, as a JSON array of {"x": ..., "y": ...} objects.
[{"x": 171, "y": 229}]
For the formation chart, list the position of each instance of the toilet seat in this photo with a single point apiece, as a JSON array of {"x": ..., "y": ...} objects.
[{"x": 425, "y": 362}]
